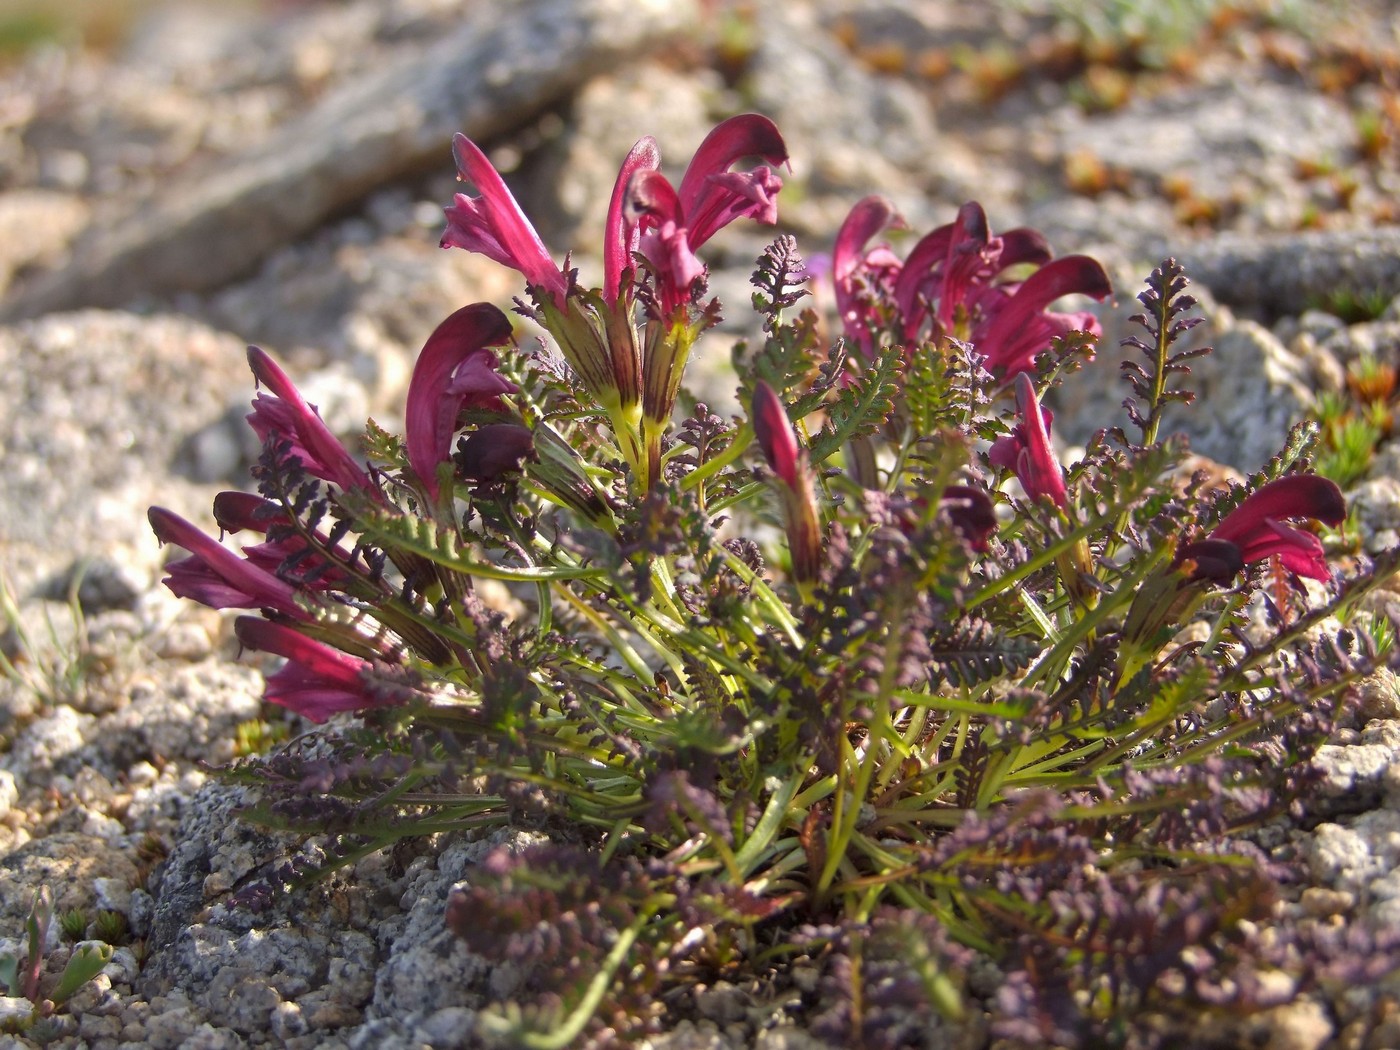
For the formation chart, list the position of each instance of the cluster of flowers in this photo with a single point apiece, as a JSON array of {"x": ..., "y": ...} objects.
[{"x": 628, "y": 343}]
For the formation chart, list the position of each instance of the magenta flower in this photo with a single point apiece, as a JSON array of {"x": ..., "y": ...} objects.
[
  {"x": 455, "y": 370},
  {"x": 214, "y": 576},
  {"x": 1254, "y": 530},
  {"x": 317, "y": 681},
  {"x": 1026, "y": 450},
  {"x": 778, "y": 441},
  {"x": 949, "y": 286},
  {"x": 493, "y": 224},
  {"x": 775, "y": 436},
  {"x": 864, "y": 277},
  {"x": 675, "y": 222},
  {"x": 620, "y": 237},
  {"x": 282, "y": 414},
  {"x": 1015, "y": 327},
  {"x": 237, "y": 511}
]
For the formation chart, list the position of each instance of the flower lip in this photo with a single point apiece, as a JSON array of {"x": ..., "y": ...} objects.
[
  {"x": 1254, "y": 530},
  {"x": 852, "y": 265},
  {"x": 673, "y": 223},
  {"x": 1294, "y": 496},
  {"x": 454, "y": 369},
  {"x": 712, "y": 196},
  {"x": 493, "y": 224},
  {"x": 1019, "y": 327},
  {"x": 213, "y": 575},
  {"x": 287, "y": 416},
  {"x": 317, "y": 681}
]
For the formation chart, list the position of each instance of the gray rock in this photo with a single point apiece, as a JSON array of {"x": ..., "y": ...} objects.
[
  {"x": 68, "y": 863},
  {"x": 36, "y": 227},
  {"x": 98, "y": 584},
  {"x": 1376, "y": 503},
  {"x": 1215, "y": 135},
  {"x": 1370, "y": 340},
  {"x": 427, "y": 968},
  {"x": 849, "y": 131},
  {"x": 1285, "y": 273},
  {"x": 1249, "y": 392},
  {"x": 94, "y": 414},
  {"x": 484, "y": 78}
]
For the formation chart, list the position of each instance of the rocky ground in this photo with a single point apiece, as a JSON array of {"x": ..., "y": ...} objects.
[{"x": 275, "y": 174}]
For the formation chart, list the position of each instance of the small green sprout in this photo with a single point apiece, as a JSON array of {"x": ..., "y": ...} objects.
[{"x": 73, "y": 923}]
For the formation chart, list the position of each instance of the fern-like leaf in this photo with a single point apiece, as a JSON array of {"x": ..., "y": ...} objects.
[{"x": 1165, "y": 300}]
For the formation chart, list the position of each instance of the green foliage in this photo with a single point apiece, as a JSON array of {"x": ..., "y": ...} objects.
[
  {"x": 73, "y": 923},
  {"x": 1027, "y": 727},
  {"x": 256, "y": 736},
  {"x": 23, "y": 975},
  {"x": 53, "y": 667},
  {"x": 1353, "y": 306}
]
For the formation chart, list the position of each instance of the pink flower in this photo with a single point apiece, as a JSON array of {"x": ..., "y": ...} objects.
[
  {"x": 283, "y": 415},
  {"x": 237, "y": 511},
  {"x": 949, "y": 285},
  {"x": 214, "y": 576},
  {"x": 455, "y": 370},
  {"x": 317, "y": 681},
  {"x": 864, "y": 277},
  {"x": 1015, "y": 327},
  {"x": 778, "y": 441},
  {"x": 1026, "y": 450},
  {"x": 1254, "y": 530},
  {"x": 776, "y": 438},
  {"x": 674, "y": 223},
  {"x": 620, "y": 237},
  {"x": 493, "y": 224}
]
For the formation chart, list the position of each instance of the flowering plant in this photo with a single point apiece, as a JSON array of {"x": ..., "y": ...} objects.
[{"x": 862, "y": 675}]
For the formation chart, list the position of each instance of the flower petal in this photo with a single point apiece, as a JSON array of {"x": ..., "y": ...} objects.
[
  {"x": 1007, "y": 335},
  {"x": 944, "y": 267},
  {"x": 775, "y": 434},
  {"x": 286, "y": 416},
  {"x": 457, "y": 348},
  {"x": 620, "y": 237},
  {"x": 493, "y": 225},
  {"x": 213, "y": 575},
  {"x": 854, "y": 269},
  {"x": 1301, "y": 552},
  {"x": 1023, "y": 245},
  {"x": 710, "y": 203},
  {"x": 1027, "y": 449},
  {"x": 317, "y": 681},
  {"x": 1294, "y": 496}
]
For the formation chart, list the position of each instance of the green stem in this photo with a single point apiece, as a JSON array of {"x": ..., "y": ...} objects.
[
  {"x": 750, "y": 854},
  {"x": 743, "y": 437},
  {"x": 572, "y": 1027}
]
